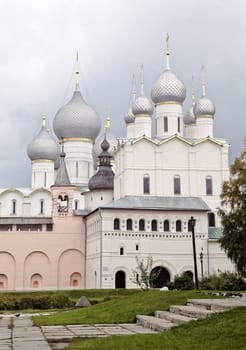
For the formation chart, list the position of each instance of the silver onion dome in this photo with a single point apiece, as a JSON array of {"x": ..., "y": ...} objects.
[
  {"x": 76, "y": 119},
  {"x": 142, "y": 105},
  {"x": 204, "y": 106},
  {"x": 43, "y": 146},
  {"x": 129, "y": 117},
  {"x": 168, "y": 88},
  {"x": 108, "y": 134},
  {"x": 189, "y": 117}
]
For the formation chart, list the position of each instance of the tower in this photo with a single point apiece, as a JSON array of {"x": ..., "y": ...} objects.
[
  {"x": 78, "y": 124},
  {"x": 43, "y": 152},
  {"x": 168, "y": 94}
]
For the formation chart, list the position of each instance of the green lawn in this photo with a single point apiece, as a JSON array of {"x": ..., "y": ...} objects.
[
  {"x": 226, "y": 331},
  {"x": 122, "y": 309}
]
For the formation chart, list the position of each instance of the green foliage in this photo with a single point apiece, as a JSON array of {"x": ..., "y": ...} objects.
[
  {"x": 35, "y": 302},
  {"x": 225, "y": 281},
  {"x": 233, "y": 214},
  {"x": 183, "y": 282},
  {"x": 221, "y": 331}
]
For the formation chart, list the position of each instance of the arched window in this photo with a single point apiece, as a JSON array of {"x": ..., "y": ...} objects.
[
  {"x": 14, "y": 206},
  {"x": 209, "y": 186},
  {"x": 129, "y": 224},
  {"x": 176, "y": 184},
  {"x": 141, "y": 225},
  {"x": 211, "y": 220},
  {"x": 36, "y": 280},
  {"x": 153, "y": 225},
  {"x": 41, "y": 206},
  {"x": 121, "y": 250},
  {"x": 116, "y": 224},
  {"x": 178, "y": 226},
  {"x": 146, "y": 184},
  {"x": 75, "y": 279},
  {"x": 76, "y": 204},
  {"x": 166, "y": 226},
  {"x": 165, "y": 124}
]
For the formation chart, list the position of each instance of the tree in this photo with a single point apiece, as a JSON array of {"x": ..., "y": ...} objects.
[
  {"x": 144, "y": 274},
  {"x": 233, "y": 214}
]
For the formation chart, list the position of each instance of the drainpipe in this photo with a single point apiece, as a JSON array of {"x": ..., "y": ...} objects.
[{"x": 100, "y": 232}]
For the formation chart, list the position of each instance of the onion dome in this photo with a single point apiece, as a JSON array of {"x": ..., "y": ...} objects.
[
  {"x": 189, "y": 117},
  {"x": 142, "y": 105},
  {"x": 129, "y": 116},
  {"x": 168, "y": 88},
  {"x": 204, "y": 106},
  {"x": 104, "y": 178},
  {"x": 76, "y": 119},
  {"x": 43, "y": 147},
  {"x": 108, "y": 134}
]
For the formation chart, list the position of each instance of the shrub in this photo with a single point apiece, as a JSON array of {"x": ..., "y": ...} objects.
[
  {"x": 226, "y": 281},
  {"x": 183, "y": 282}
]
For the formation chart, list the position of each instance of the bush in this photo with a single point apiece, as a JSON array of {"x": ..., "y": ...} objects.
[
  {"x": 183, "y": 282},
  {"x": 226, "y": 281}
]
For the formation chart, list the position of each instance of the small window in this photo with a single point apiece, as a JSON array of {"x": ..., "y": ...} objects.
[
  {"x": 146, "y": 186},
  {"x": 211, "y": 220},
  {"x": 137, "y": 247},
  {"x": 141, "y": 225},
  {"x": 45, "y": 179},
  {"x": 176, "y": 184},
  {"x": 76, "y": 204},
  {"x": 209, "y": 189},
  {"x": 129, "y": 224},
  {"x": 121, "y": 251},
  {"x": 137, "y": 277},
  {"x": 165, "y": 124},
  {"x": 178, "y": 226},
  {"x": 116, "y": 224},
  {"x": 41, "y": 206},
  {"x": 178, "y": 124},
  {"x": 166, "y": 226},
  {"x": 14, "y": 207},
  {"x": 153, "y": 225},
  {"x": 49, "y": 227}
]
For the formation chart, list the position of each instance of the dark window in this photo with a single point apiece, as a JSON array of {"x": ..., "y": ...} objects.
[
  {"x": 141, "y": 225},
  {"x": 146, "y": 187},
  {"x": 165, "y": 124},
  {"x": 41, "y": 206},
  {"x": 176, "y": 184},
  {"x": 116, "y": 224},
  {"x": 129, "y": 224},
  {"x": 153, "y": 225},
  {"x": 209, "y": 189},
  {"x": 137, "y": 277},
  {"x": 211, "y": 220},
  {"x": 137, "y": 247},
  {"x": 166, "y": 226},
  {"x": 49, "y": 227},
  {"x": 76, "y": 204},
  {"x": 178, "y": 226},
  {"x": 121, "y": 251},
  {"x": 178, "y": 124},
  {"x": 14, "y": 207}
]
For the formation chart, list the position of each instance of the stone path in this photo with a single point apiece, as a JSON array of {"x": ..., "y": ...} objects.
[{"x": 18, "y": 333}]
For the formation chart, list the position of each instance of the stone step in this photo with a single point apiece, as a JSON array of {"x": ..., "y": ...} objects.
[
  {"x": 173, "y": 317},
  {"x": 190, "y": 311},
  {"x": 217, "y": 304},
  {"x": 154, "y": 323}
]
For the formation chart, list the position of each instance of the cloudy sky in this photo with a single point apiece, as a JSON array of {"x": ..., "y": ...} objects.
[{"x": 38, "y": 45}]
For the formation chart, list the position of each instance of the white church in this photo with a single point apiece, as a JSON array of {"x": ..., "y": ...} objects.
[{"x": 108, "y": 199}]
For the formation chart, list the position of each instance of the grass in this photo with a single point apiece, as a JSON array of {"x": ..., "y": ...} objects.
[
  {"x": 122, "y": 309},
  {"x": 226, "y": 331}
]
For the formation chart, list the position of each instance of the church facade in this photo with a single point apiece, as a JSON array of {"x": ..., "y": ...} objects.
[{"x": 106, "y": 201}]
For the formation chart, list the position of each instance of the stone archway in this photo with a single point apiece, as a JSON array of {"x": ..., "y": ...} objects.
[
  {"x": 159, "y": 277},
  {"x": 120, "y": 279}
]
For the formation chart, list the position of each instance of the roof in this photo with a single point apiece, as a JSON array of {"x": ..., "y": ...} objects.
[
  {"x": 159, "y": 203},
  {"x": 25, "y": 220},
  {"x": 215, "y": 233}
]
